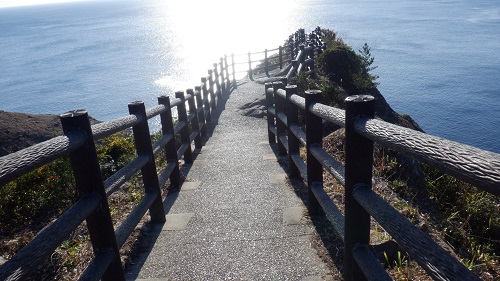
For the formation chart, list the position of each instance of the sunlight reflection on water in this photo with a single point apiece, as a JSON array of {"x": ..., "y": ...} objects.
[{"x": 199, "y": 33}]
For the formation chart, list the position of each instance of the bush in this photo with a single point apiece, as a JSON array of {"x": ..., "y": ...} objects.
[
  {"x": 47, "y": 191},
  {"x": 114, "y": 152},
  {"x": 44, "y": 192},
  {"x": 341, "y": 65}
]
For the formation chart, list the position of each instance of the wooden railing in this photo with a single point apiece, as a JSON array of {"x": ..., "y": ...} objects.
[
  {"x": 78, "y": 142},
  {"x": 297, "y": 52},
  {"x": 475, "y": 166}
]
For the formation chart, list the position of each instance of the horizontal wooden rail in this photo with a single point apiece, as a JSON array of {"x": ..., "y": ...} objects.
[
  {"x": 78, "y": 141},
  {"x": 331, "y": 211},
  {"x": 475, "y": 166},
  {"x": 128, "y": 225},
  {"x": 18, "y": 163},
  {"x": 115, "y": 181},
  {"x": 98, "y": 266},
  {"x": 369, "y": 264},
  {"x": 106, "y": 129},
  {"x": 438, "y": 263},
  {"x": 25, "y": 261}
]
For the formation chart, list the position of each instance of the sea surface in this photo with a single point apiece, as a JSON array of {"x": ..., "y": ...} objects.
[{"x": 438, "y": 60}]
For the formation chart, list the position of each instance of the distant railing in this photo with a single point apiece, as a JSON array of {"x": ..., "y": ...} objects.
[
  {"x": 298, "y": 52},
  {"x": 79, "y": 142},
  {"x": 475, "y": 166}
]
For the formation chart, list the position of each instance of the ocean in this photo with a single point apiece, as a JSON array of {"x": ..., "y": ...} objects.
[{"x": 437, "y": 60}]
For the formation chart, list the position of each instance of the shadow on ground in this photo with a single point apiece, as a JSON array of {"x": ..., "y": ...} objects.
[{"x": 150, "y": 232}]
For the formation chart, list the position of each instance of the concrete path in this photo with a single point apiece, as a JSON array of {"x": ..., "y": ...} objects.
[{"x": 235, "y": 218}]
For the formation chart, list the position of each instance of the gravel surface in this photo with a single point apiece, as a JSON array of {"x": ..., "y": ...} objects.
[{"x": 236, "y": 216}]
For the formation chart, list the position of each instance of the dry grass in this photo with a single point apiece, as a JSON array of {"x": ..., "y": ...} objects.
[{"x": 403, "y": 268}]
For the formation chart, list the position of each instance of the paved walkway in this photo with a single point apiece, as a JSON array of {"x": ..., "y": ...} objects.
[{"x": 235, "y": 216}]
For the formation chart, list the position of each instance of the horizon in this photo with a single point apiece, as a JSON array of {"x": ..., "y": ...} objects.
[{"x": 22, "y": 3}]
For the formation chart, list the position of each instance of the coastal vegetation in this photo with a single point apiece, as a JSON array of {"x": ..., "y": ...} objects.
[{"x": 25, "y": 210}]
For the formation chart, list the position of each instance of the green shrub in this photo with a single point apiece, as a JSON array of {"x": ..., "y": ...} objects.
[
  {"x": 114, "y": 152},
  {"x": 46, "y": 191}
]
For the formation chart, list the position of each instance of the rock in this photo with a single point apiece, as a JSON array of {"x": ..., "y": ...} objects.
[
  {"x": 388, "y": 252},
  {"x": 21, "y": 130}
]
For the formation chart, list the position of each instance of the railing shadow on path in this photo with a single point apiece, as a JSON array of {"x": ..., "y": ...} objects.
[
  {"x": 149, "y": 232},
  {"x": 333, "y": 256}
]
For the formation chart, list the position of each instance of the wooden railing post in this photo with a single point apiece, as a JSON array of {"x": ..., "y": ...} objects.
[
  {"x": 292, "y": 114},
  {"x": 195, "y": 122},
  {"x": 311, "y": 66},
  {"x": 88, "y": 180},
  {"x": 142, "y": 139},
  {"x": 200, "y": 110},
  {"x": 211, "y": 90},
  {"x": 281, "y": 57},
  {"x": 206, "y": 101},
  {"x": 270, "y": 116},
  {"x": 302, "y": 55},
  {"x": 222, "y": 79},
  {"x": 266, "y": 63},
  {"x": 235, "y": 85},
  {"x": 228, "y": 81},
  {"x": 280, "y": 126},
  {"x": 167, "y": 126},
  {"x": 216, "y": 80},
  {"x": 358, "y": 170},
  {"x": 314, "y": 137},
  {"x": 292, "y": 51},
  {"x": 250, "y": 74},
  {"x": 182, "y": 114},
  {"x": 295, "y": 67}
]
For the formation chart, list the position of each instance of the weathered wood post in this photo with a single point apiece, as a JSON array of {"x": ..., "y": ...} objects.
[
  {"x": 270, "y": 117},
  {"x": 211, "y": 89},
  {"x": 142, "y": 139},
  {"x": 228, "y": 81},
  {"x": 292, "y": 51},
  {"x": 88, "y": 180},
  {"x": 201, "y": 111},
  {"x": 222, "y": 80},
  {"x": 311, "y": 65},
  {"x": 295, "y": 67},
  {"x": 302, "y": 55},
  {"x": 250, "y": 75},
  {"x": 182, "y": 115},
  {"x": 217, "y": 83},
  {"x": 293, "y": 142},
  {"x": 266, "y": 63},
  {"x": 280, "y": 126},
  {"x": 235, "y": 85},
  {"x": 195, "y": 122},
  {"x": 206, "y": 100},
  {"x": 281, "y": 56},
  {"x": 358, "y": 170},
  {"x": 167, "y": 127},
  {"x": 314, "y": 137}
]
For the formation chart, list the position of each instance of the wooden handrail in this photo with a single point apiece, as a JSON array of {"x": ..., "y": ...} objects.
[
  {"x": 79, "y": 142},
  {"x": 475, "y": 166}
]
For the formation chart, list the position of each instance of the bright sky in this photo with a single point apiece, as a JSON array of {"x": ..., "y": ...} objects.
[{"x": 14, "y": 3}]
